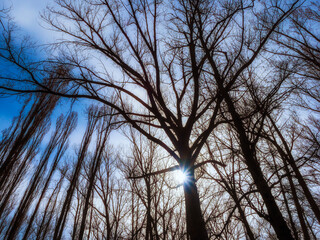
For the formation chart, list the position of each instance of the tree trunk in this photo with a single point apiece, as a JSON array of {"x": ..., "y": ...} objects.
[
  {"x": 297, "y": 205},
  {"x": 243, "y": 216},
  {"x": 314, "y": 206},
  {"x": 275, "y": 217},
  {"x": 196, "y": 228}
]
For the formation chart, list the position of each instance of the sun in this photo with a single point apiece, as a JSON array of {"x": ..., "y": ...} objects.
[{"x": 180, "y": 176}]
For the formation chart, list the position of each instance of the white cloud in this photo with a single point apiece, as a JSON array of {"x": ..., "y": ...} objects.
[{"x": 26, "y": 14}]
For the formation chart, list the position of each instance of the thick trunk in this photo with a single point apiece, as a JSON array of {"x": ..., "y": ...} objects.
[
  {"x": 196, "y": 228},
  {"x": 275, "y": 217}
]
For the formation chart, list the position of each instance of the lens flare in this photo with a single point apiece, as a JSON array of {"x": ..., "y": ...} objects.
[{"x": 180, "y": 176}]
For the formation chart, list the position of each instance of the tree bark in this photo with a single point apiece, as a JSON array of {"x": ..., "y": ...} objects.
[{"x": 196, "y": 228}]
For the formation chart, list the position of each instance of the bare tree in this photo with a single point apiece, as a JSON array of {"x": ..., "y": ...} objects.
[
  {"x": 66, "y": 129},
  {"x": 103, "y": 134},
  {"x": 182, "y": 68},
  {"x": 37, "y": 178},
  {"x": 21, "y": 144},
  {"x": 74, "y": 178},
  {"x": 158, "y": 196},
  {"x": 300, "y": 46}
]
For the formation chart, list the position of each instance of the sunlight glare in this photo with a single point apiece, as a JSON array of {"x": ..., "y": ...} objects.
[{"x": 180, "y": 176}]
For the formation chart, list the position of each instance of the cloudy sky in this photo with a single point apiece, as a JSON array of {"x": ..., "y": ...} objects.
[{"x": 26, "y": 16}]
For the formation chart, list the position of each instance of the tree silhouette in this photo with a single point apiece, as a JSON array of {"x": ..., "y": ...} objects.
[{"x": 207, "y": 82}]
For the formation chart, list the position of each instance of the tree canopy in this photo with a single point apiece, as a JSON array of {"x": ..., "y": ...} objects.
[{"x": 213, "y": 88}]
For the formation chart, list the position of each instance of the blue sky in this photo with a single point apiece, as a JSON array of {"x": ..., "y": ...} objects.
[{"x": 26, "y": 15}]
